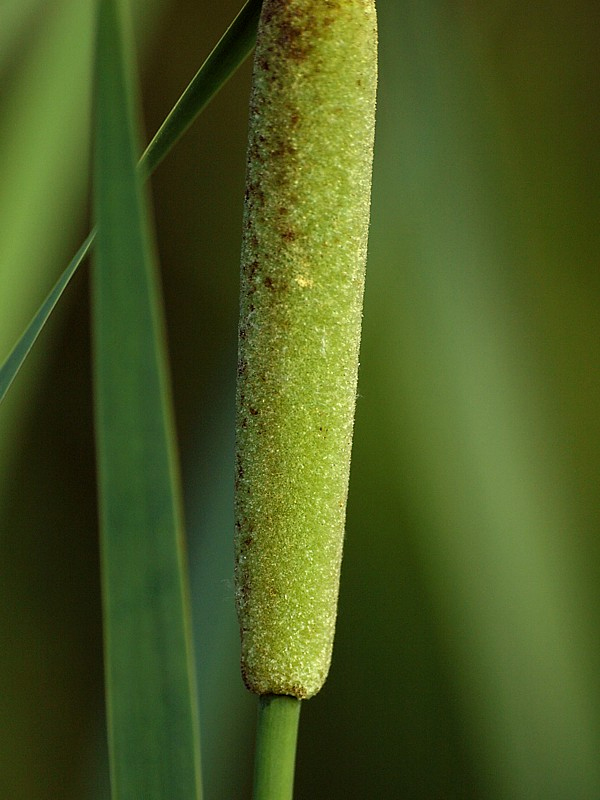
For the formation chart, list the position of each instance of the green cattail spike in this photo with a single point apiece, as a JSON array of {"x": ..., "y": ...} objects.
[{"x": 304, "y": 247}]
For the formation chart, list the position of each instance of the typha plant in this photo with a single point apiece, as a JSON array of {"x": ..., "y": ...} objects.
[
  {"x": 469, "y": 590},
  {"x": 306, "y": 218}
]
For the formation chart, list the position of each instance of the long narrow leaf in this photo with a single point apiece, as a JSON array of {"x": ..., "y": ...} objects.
[
  {"x": 151, "y": 699},
  {"x": 231, "y": 51},
  {"x": 21, "y": 350}
]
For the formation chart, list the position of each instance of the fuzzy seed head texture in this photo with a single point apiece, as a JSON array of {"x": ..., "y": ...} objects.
[{"x": 306, "y": 215}]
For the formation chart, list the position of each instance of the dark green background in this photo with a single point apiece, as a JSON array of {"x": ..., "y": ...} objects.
[{"x": 466, "y": 661}]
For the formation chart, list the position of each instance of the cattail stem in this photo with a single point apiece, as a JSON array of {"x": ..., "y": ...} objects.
[{"x": 275, "y": 758}]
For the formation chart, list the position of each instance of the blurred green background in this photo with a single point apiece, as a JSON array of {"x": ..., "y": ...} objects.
[{"x": 467, "y": 658}]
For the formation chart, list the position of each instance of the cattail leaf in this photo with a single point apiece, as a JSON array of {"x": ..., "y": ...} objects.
[
  {"x": 151, "y": 699},
  {"x": 230, "y": 53},
  {"x": 20, "y": 351}
]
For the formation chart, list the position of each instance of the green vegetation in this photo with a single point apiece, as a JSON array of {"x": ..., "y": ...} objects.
[
  {"x": 306, "y": 218},
  {"x": 153, "y": 736},
  {"x": 466, "y": 660}
]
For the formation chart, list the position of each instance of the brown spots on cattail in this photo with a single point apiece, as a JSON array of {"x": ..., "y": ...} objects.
[
  {"x": 263, "y": 64},
  {"x": 275, "y": 286},
  {"x": 254, "y": 194},
  {"x": 243, "y": 593},
  {"x": 284, "y": 149},
  {"x": 251, "y": 269},
  {"x": 296, "y": 690},
  {"x": 239, "y": 473},
  {"x": 243, "y": 670},
  {"x": 291, "y": 31}
]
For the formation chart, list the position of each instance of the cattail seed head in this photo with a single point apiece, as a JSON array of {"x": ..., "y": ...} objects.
[{"x": 304, "y": 246}]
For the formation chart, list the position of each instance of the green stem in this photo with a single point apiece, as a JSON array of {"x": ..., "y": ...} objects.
[{"x": 276, "y": 737}]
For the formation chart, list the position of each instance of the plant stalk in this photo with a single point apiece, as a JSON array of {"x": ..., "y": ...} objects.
[{"x": 277, "y": 733}]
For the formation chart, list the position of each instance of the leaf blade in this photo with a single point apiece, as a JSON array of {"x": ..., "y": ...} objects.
[
  {"x": 229, "y": 54},
  {"x": 151, "y": 698},
  {"x": 21, "y": 350}
]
